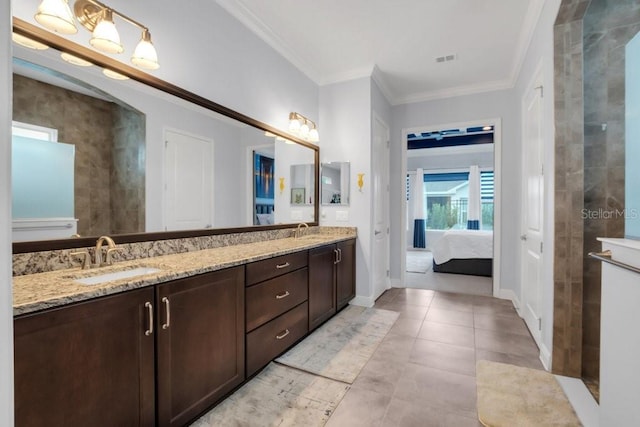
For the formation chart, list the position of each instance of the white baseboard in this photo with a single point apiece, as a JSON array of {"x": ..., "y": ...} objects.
[
  {"x": 510, "y": 295},
  {"x": 363, "y": 301},
  {"x": 545, "y": 357}
]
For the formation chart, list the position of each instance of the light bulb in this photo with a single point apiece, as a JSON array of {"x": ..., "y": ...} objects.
[
  {"x": 105, "y": 35},
  {"x": 145, "y": 55},
  {"x": 294, "y": 125},
  {"x": 304, "y": 130},
  {"x": 314, "y": 136},
  {"x": 56, "y": 15}
]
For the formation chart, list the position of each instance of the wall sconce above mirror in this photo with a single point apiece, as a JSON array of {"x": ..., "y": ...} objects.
[{"x": 335, "y": 183}]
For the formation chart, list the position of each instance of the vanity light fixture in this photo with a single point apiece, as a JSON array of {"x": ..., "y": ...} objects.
[
  {"x": 303, "y": 127},
  {"x": 27, "y": 42},
  {"x": 55, "y": 15},
  {"x": 75, "y": 60},
  {"x": 114, "y": 74}
]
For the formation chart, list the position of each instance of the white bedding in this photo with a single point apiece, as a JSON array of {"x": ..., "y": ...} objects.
[{"x": 463, "y": 244}]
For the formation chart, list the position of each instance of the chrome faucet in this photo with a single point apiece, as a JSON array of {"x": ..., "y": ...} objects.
[
  {"x": 111, "y": 247},
  {"x": 299, "y": 233}
]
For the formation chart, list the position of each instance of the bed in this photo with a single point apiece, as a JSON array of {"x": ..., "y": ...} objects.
[{"x": 464, "y": 252}]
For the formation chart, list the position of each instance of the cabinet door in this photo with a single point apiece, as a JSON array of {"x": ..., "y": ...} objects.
[
  {"x": 86, "y": 364},
  {"x": 346, "y": 273},
  {"x": 200, "y": 343},
  {"x": 322, "y": 285}
]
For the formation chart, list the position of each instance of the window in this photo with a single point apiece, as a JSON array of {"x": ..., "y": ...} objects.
[
  {"x": 447, "y": 199},
  {"x": 34, "y": 131}
]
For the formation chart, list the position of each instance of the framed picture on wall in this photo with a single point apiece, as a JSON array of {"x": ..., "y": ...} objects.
[{"x": 297, "y": 196}]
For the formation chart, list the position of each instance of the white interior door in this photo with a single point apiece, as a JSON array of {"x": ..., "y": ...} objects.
[
  {"x": 381, "y": 207},
  {"x": 188, "y": 181},
  {"x": 532, "y": 209}
]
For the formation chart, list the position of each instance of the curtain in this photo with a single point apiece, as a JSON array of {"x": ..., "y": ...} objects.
[
  {"x": 419, "y": 213},
  {"x": 473, "y": 214}
]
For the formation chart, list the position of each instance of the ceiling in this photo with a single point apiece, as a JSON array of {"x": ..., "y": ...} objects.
[{"x": 397, "y": 42}]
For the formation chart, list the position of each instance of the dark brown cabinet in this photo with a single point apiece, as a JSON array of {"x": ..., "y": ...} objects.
[
  {"x": 276, "y": 305},
  {"x": 345, "y": 272},
  {"x": 331, "y": 280},
  {"x": 200, "y": 343},
  {"x": 86, "y": 364},
  {"x": 140, "y": 358},
  {"x": 322, "y": 284}
]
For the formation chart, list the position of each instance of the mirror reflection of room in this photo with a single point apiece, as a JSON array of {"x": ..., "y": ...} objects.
[{"x": 335, "y": 183}]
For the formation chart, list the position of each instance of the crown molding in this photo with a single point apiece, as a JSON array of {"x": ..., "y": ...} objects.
[
  {"x": 266, "y": 34},
  {"x": 531, "y": 20}
]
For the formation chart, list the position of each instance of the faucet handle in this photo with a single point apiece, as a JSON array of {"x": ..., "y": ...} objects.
[{"x": 85, "y": 257}]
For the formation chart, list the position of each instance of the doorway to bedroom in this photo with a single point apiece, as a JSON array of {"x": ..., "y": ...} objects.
[{"x": 450, "y": 207}]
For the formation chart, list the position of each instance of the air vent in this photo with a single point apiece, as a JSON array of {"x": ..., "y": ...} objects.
[{"x": 446, "y": 58}]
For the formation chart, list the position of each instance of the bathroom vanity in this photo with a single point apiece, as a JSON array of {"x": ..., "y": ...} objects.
[{"x": 164, "y": 347}]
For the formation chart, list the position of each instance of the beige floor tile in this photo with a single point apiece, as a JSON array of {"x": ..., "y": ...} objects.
[
  {"x": 380, "y": 375},
  {"x": 448, "y": 334},
  {"x": 449, "y": 391},
  {"x": 451, "y": 317},
  {"x": 447, "y": 357},
  {"x": 506, "y": 342},
  {"x": 405, "y": 414},
  {"x": 415, "y": 298},
  {"x": 499, "y": 322},
  {"x": 453, "y": 305},
  {"x": 360, "y": 407},
  {"x": 406, "y": 326},
  {"x": 531, "y": 361}
]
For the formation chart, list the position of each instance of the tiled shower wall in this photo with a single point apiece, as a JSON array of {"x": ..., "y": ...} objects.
[
  {"x": 109, "y": 141},
  {"x": 590, "y": 38}
]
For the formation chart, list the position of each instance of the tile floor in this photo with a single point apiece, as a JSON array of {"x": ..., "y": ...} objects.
[{"x": 423, "y": 373}]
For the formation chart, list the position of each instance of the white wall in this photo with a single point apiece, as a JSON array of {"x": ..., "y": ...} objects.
[
  {"x": 541, "y": 52},
  {"x": 345, "y": 136},
  {"x": 472, "y": 108},
  {"x": 6, "y": 303}
]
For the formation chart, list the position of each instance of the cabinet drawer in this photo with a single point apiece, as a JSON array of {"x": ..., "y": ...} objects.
[
  {"x": 273, "y": 267},
  {"x": 271, "y": 339},
  {"x": 273, "y": 297}
]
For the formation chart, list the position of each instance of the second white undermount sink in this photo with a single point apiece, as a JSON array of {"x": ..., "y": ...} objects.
[{"x": 116, "y": 275}]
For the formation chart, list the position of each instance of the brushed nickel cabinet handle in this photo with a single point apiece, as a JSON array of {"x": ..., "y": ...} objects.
[
  {"x": 286, "y": 294},
  {"x": 150, "y": 311},
  {"x": 165, "y": 300},
  {"x": 282, "y": 335},
  {"x": 285, "y": 265},
  {"x": 339, "y": 255},
  {"x": 337, "y": 260}
]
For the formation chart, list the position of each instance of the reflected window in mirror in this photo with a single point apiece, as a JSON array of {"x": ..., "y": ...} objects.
[{"x": 335, "y": 183}]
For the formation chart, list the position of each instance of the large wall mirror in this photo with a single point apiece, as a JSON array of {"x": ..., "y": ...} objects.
[{"x": 138, "y": 158}]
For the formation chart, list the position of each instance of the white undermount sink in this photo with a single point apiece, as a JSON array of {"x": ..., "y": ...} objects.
[{"x": 116, "y": 275}]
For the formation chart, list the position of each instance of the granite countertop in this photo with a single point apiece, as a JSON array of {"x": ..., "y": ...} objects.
[{"x": 35, "y": 292}]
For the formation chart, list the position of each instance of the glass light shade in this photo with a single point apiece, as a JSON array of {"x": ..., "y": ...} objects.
[
  {"x": 314, "y": 136},
  {"x": 27, "y": 42},
  {"x": 145, "y": 55},
  {"x": 55, "y": 15},
  {"x": 114, "y": 75},
  {"x": 294, "y": 125},
  {"x": 105, "y": 35},
  {"x": 75, "y": 60},
  {"x": 304, "y": 130}
]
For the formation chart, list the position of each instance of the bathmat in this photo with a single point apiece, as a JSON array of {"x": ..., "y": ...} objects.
[
  {"x": 419, "y": 261},
  {"x": 340, "y": 348},
  {"x": 511, "y": 395},
  {"x": 278, "y": 396}
]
